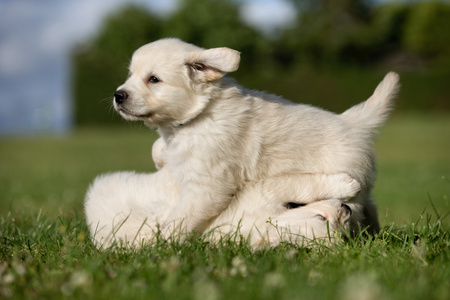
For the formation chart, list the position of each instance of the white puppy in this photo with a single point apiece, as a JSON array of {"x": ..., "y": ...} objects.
[
  {"x": 219, "y": 136},
  {"x": 128, "y": 207}
]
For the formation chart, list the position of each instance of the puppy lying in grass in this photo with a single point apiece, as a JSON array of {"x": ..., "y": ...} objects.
[
  {"x": 219, "y": 138},
  {"x": 128, "y": 208}
]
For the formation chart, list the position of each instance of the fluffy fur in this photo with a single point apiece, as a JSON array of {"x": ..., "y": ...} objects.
[
  {"x": 129, "y": 207},
  {"x": 218, "y": 139}
]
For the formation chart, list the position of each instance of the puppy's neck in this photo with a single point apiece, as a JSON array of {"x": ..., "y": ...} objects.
[{"x": 214, "y": 101}]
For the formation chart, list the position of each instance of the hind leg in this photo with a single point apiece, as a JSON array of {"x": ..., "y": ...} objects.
[
  {"x": 126, "y": 207},
  {"x": 305, "y": 188}
]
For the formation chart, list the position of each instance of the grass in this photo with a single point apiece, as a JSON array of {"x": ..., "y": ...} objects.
[
  {"x": 45, "y": 252},
  {"x": 413, "y": 167}
]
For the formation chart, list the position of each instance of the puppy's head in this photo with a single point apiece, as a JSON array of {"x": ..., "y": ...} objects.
[{"x": 169, "y": 79}]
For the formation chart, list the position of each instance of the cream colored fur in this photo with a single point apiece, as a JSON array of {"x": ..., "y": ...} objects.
[
  {"x": 218, "y": 139},
  {"x": 129, "y": 207}
]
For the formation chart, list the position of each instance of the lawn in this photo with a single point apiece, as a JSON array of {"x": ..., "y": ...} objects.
[{"x": 45, "y": 252}]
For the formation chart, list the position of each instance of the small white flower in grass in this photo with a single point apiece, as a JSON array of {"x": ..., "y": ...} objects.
[
  {"x": 171, "y": 265},
  {"x": 238, "y": 266},
  {"x": 20, "y": 269},
  {"x": 78, "y": 279},
  {"x": 274, "y": 280},
  {"x": 291, "y": 254},
  {"x": 420, "y": 251},
  {"x": 8, "y": 278},
  {"x": 314, "y": 277},
  {"x": 3, "y": 268},
  {"x": 206, "y": 290},
  {"x": 362, "y": 286}
]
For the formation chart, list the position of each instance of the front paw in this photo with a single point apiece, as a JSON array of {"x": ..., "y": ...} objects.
[{"x": 346, "y": 186}]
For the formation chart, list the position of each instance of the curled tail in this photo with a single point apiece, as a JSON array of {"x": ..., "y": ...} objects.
[{"x": 373, "y": 112}]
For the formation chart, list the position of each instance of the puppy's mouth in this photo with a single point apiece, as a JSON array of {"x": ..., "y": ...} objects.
[{"x": 127, "y": 113}]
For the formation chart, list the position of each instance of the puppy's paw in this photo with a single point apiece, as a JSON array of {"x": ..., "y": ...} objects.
[
  {"x": 346, "y": 186},
  {"x": 158, "y": 149}
]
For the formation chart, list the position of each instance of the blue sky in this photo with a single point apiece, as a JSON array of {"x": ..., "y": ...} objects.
[{"x": 35, "y": 40}]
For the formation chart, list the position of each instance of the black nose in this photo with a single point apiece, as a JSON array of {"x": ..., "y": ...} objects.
[
  {"x": 345, "y": 206},
  {"x": 120, "y": 96}
]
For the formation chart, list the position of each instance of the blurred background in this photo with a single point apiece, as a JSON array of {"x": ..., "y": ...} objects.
[{"x": 61, "y": 61}]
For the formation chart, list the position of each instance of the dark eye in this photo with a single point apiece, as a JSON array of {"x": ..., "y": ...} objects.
[
  {"x": 153, "y": 79},
  {"x": 320, "y": 217},
  {"x": 198, "y": 66}
]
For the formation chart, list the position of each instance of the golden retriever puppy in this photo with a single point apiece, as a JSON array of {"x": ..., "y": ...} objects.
[
  {"x": 219, "y": 136},
  {"x": 126, "y": 207}
]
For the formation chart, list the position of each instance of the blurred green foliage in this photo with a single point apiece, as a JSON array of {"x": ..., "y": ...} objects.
[
  {"x": 333, "y": 56},
  {"x": 427, "y": 30}
]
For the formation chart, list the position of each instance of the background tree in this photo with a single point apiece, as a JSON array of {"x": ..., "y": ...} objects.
[
  {"x": 217, "y": 23},
  {"x": 427, "y": 30}
]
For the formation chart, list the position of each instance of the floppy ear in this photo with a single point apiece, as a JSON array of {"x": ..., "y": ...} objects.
[{"x": 212, "y": 64}]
